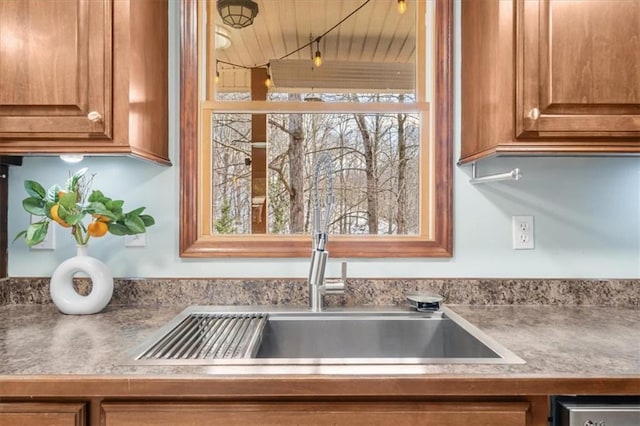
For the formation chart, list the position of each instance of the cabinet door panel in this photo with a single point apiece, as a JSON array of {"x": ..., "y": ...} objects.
[
  {"x": 55, "y": 62},
  {"x": 320, "y": 414},
  {"x": 42, "y": 414},
  {"x": 578, "y": 63}
]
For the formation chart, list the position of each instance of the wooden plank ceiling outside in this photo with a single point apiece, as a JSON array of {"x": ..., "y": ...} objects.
[{"x": 376, "y": 34}]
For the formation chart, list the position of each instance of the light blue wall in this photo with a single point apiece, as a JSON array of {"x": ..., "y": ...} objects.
[{"x": 587, "y": 217}]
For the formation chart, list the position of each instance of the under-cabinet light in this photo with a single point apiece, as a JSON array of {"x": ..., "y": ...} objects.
[{"x": 72, "y": 158}]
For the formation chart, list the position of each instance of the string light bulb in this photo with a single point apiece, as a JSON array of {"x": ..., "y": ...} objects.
[
  {"x": 402, "y": 6},
  {"x": 317, "y": 58},
  {"x": 267, "y": 81}
]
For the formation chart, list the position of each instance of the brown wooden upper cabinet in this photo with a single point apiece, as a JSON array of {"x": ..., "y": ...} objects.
[
  {"x": 550, "y": 77},
  {"x": 84, "y": 76}
]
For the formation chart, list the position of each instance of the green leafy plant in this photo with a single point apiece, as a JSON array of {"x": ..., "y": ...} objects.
[{"x": 71, "y": 205}]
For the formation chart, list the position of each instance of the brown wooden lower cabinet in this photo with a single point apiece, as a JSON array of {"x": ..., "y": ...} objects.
[
  {"x": 326, "y": 413},
  {"x": 42, "y": 414}
]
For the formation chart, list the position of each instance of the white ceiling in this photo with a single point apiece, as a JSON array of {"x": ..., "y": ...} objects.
[{"x": 353, "y": 53}]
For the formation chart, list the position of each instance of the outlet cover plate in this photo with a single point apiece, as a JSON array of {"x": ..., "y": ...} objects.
[{"x": 523, "y": 233}]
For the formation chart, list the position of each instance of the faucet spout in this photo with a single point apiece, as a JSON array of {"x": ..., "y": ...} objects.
[{"x": 319, "y": 255}]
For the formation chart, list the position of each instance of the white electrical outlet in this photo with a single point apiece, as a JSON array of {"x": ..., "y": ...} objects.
[
  {"x": 49, "y": 242},
  {"x": 135, "y": 240},
  {"x": 523, "y": 233}
]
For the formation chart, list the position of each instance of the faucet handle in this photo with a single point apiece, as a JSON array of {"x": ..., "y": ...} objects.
[
  {"x": 343, "y": 269},
  {"x": 336, "y": 285}
]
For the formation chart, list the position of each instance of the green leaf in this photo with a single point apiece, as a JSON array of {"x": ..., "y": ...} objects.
[
  {"x": 100, "y": 209},
  {"x": 81, "y": 172},
  {"x": 95, "y": 196},
  {"x": 118, "y": 228},
  {"x": 34, "y": 189},
  {"x": 68, "y": 201},
  {"x": 72, "y": 182},
  {"x": 73, "y": 216},
  {"x": 134, "y": 224},
  {"x": 35, "y": 206},
  {"x": 52, "y": 193},
  {"x": 148, "y": 220},
  {"x": 96, "y": 207},
  {"x": 98, "y": 197},
  {"x": 115, "y": 205},
  {"x": 22, "y": 233},
  {"x": 74, "y": 219},
  {"x": 36, "y": 232},
  {"x": 137, "y": 211}
]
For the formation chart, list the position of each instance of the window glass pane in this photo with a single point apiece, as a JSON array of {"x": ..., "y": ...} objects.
[{"x": 376, "y": 158}]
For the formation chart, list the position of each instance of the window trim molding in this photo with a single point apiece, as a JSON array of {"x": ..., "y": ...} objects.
[{"x": 440, "y": 242}]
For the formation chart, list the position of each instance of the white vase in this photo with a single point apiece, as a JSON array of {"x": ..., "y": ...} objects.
[{"x": 65, "y": 296}]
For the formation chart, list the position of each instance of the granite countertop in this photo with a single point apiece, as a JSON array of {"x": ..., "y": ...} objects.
[{"x": 555, "y": 342}]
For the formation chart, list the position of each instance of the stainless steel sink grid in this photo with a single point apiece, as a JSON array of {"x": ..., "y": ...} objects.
[
  {"x": 286, "y": 337},
  {"x": 210, "y": 336}
]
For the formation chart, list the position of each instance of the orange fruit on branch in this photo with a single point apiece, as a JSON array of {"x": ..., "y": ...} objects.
[
  {"x": 54, "y": 215},
  {"x": 97, "y": 228}
]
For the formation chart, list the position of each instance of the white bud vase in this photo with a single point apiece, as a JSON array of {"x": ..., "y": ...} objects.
[{"x": 64, "y": 295}]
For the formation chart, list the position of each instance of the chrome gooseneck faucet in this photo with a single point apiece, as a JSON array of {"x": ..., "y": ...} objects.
[{"x": 318, "y": 286}]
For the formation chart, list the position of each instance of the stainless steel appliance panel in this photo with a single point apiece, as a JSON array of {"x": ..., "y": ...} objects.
[{"x": 610, "y": 411}]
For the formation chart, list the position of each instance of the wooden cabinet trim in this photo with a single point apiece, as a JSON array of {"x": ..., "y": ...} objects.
[
  {"x": 4, "y": 202},
  {"x": 260, "y": 387},
  {"x": 318, "y": 413},
  {"x": 43, "y": 413}
]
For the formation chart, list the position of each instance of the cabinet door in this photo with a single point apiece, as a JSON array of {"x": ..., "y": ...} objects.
[
  {"x": 55, "y": 63},
  {"x": 42, "y": 414},
  {"x": 578, "y": 68},
  {"x": 319, "y": 414}
]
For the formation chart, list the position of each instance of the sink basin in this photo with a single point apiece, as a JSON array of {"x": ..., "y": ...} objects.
[
  {"x": 222, "y": 336},
  {"x": 368, "y": 336}
]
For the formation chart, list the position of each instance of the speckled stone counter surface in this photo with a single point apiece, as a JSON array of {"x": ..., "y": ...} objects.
[
  {"x": 554, "y": 341},
  {"x": 359, "y": 292}
]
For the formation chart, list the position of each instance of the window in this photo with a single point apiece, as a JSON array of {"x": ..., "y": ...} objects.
[{"x": 247, "y": 152}]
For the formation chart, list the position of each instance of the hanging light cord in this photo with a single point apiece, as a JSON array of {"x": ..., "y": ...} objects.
[
  {"x": 328, "y": 31},
  {"x": 304, "y": 45}
]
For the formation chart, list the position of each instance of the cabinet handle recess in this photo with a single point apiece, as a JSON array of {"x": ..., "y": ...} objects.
[{"x": 94, "y": 116}]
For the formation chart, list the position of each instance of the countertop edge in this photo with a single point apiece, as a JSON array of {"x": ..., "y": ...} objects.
[{"x": 264, "y": 387}]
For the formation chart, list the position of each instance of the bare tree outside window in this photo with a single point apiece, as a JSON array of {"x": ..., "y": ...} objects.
[{"x": 376, "y": 162}]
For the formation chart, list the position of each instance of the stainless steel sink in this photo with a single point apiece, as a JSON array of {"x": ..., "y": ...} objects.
[
  {"x": 223, "y": 336},
  {"x": 368, "y": 336}
]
